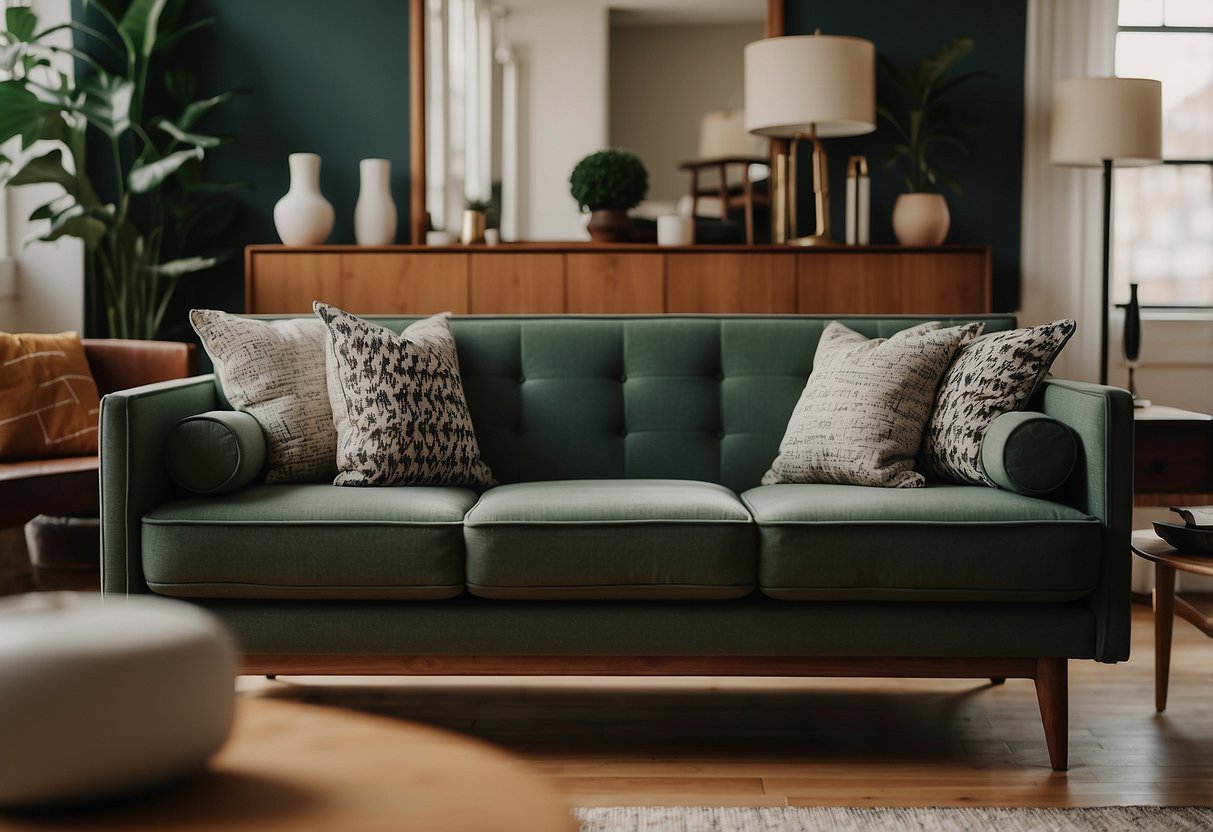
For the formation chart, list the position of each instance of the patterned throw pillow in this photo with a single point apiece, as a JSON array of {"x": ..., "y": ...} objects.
[
  {"x": 398, "y": 404},
  {"x": 274, "y": 371},
  {"x": 48, "y": 399},
  {"x": 993, "y": 375},
  {"x": 860, "y": 417}
]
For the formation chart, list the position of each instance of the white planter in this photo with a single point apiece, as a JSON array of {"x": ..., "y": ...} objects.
[
  {"x": 375, "y": 213},
  {"x": 304, "y": 217},
  {"x": 921, "y": 219}
]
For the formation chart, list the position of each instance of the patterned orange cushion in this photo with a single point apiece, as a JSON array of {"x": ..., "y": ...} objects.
[{"x": 48, "y": 400}]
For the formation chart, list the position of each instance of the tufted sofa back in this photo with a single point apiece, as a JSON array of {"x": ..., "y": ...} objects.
[{"x": 681, "y": 397}]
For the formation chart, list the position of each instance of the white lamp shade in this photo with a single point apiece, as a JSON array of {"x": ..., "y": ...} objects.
[
  {"x": 796, "y": 83},
  {"x": 1106, "y": 118},
  {"x": 722, "y": 134}
]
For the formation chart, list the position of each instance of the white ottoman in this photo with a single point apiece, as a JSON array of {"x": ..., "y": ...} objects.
[{"x": 101, "y": 698}]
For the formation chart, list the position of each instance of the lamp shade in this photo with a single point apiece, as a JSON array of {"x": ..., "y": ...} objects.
[
  {"x": 796, "y": 83},
  {"x": 1106, "y": 118},
  {"x": 722, "y": 133}
]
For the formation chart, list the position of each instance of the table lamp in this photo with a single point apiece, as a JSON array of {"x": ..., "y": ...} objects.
[
  {"x": 808, "y": 87},
  {"x": 1101, "y": 122}
]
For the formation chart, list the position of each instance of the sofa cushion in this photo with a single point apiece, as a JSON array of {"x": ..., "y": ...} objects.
[
  {"x": 860, "y": 418},
  {"x": 309, "y": 541},
  {"x": 600, "y": 539},
  {"x": 215, "y": 452},
  {"x": 938, "y": 543},
  {"x": 1028, "y": 453},
  {"x": 48, "y": 399}
]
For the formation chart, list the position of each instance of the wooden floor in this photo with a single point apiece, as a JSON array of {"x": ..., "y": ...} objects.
[{"x": 810, "y": 742}]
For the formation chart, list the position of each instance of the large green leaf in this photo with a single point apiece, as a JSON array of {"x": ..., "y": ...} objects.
[
  {"x": 141, "y": 24},
  {"x": 53, "y": 208},
  {"x": 147, "y": 175},
  {"x": 46, "y": 169},
  {"x": 21, "y": 23},
  {"x": 77, "y": 221},
  {"x": 195, "y": 111},
  {"x": 184, "y": 266},
  {"x": 20, "y": 110},
  {"x": 107, "y": 103}
]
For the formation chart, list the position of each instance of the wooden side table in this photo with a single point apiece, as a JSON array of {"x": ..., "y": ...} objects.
[
  {"x": 1197, "y": 607},
  {"x": 1173, "y": 457}
]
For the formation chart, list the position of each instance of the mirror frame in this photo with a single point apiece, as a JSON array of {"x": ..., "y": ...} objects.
[{"x": 775, "y": 27}]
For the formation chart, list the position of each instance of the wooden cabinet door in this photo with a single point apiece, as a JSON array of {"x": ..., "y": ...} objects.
[
  {"x": 844, "y": 283},
  {"x": 615, "y": 283},
  {"x": 720, "y": 282},
  {"x": 375, "y": 283},
  {"x": 513, "y": 282},
  {"x": 288, "y": 282},
  {"x": 944, "y": 283}
]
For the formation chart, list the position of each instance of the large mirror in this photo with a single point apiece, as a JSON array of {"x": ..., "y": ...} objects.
[{"x": 515, "y": 92}]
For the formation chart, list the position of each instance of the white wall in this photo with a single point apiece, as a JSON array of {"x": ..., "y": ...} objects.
[
  {"x": 48, "y": 288},
  {"x": 562, "y": 52}
]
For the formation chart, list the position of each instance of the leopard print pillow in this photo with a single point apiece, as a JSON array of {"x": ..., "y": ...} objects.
[
  {"x": 398, "y": 404},
  {"x": 993, "y": 375}
]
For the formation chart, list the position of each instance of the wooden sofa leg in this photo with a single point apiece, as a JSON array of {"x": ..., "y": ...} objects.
[
  {"x": 998, "y": 680},
  {"x": 1052, "y": 694}
]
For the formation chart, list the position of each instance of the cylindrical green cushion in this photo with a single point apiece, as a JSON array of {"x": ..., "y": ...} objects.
[
  {"x": 1028, "y": 453},
  {"x": 215, "y": 452}
]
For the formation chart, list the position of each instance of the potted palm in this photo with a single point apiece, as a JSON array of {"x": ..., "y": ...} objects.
[
  {"x": 149, "y": 218},
  {"x": 923, "y": 127},
  {"x": 607, "y": 184}
]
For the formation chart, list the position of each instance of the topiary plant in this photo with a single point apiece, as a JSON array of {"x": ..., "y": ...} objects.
[{"x": 609, "y": 180}]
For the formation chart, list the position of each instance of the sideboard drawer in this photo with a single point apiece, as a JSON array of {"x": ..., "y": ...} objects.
[{"x": 1173, "y": 456}]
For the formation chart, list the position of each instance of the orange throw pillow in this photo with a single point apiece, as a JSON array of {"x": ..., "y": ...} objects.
[{"x": 48, "y": 399}]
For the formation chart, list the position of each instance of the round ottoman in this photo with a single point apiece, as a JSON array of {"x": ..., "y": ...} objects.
[{"x": 99, "y": 698}]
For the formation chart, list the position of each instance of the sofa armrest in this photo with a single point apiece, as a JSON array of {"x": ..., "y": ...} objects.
[
  {"x": 119, "y": 364},
  {"x": 134, "y": 424},
  {"x": 1102, "y": 486}
]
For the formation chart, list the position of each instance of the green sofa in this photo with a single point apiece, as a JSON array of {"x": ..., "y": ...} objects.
[{"x": 630, "y": 534}]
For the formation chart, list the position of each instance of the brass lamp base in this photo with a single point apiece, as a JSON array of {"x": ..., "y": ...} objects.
[
  {"x": 785, "y": 225},
  {"x": 815, "y": 240}
]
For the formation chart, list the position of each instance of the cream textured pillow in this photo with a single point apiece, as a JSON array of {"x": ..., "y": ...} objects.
[
  {"x": 398, "y": 404},
  {"x": 993, "y": 375},
  {"x": 861, "y": 415},
  {"x": 274, "y": 371}
]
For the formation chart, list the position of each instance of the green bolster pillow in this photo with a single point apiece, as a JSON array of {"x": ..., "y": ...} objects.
[
  {"x": 215, "y": 452},
  {"x": 1028, "y": 453}
]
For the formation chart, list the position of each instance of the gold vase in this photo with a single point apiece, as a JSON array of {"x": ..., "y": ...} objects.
[{"x": 473, "y": 227}]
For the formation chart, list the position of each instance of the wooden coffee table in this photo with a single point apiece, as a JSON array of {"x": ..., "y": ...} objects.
[
  {"x": 290, "y": 766},
  {"x": 1196, "y": 607}
]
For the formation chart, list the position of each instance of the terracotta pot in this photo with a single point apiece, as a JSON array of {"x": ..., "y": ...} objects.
[
  {"x": 610, "y": 226},
  {"x": 921, "y": 219}
]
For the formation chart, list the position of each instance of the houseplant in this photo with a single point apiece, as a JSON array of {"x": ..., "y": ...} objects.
[
  {"x": 121, "y": 139},
  {"x": 607, "y": 184},
  {"x": 924, "y": 128},
  {"x": 475, "y": 220}
]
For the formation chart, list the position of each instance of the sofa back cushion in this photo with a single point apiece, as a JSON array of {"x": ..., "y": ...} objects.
[{"x": 700, "y": 397}]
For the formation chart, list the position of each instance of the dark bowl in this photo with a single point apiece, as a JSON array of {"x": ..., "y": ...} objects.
[{"x": 1188, "y": 540}]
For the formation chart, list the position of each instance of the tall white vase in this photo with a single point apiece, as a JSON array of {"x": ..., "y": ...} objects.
[
  {"x": 304, "y": 217},
  {"x": 375, "y": 213}
]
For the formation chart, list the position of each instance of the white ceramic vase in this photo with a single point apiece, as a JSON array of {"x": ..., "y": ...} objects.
[
  {"x": 303, "y": 216},
  {"x": 375, "y": 213},
  {"x": 921, "y": 219}
]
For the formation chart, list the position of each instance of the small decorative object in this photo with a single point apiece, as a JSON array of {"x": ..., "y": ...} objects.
[
  {"x": 492, "y": 237},
  {"x": 922, "y": 126},
  {"x": 303, "y": 217},
  {"x": 859, "y": 201},
  {"x": 921, "y": 219},
  {"x": 439, "y": 238},
  {"x": 1193, "y": 541},
  {"x": 607, "y": 184},
  {"x": 1133, "y": 343},
  {"x": 675, "y": 230},
  {"x": 375, "y": 212},
  {"x": 474, "y": 221}
]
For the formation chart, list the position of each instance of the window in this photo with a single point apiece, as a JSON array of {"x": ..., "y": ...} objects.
[{"x": 1163, "y": 215}]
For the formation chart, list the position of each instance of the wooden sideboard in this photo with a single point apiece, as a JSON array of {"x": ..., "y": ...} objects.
[{"x": 588, "y": 278}]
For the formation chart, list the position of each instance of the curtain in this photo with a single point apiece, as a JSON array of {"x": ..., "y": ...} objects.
[{"x": 1061, "y": 247}]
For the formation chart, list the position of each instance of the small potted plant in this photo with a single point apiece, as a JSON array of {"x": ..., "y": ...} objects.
[
  {"x": 607, "y": 184},
  {"x": 475, "y": 213},
  {"x": 923, "y": 126}
]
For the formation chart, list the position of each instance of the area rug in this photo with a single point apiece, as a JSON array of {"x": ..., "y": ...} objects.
[{"x": 845, "y": 819}]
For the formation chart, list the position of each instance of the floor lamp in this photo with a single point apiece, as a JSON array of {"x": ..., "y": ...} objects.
[
  {"x": 807, "y": 87},
  {"x": 1101, "y": 122}
]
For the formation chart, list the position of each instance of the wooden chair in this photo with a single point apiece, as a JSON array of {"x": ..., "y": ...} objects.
[{"x": 745, "y": 201}]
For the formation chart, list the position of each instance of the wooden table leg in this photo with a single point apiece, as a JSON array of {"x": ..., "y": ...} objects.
[{"x": 1164, "y": 617}]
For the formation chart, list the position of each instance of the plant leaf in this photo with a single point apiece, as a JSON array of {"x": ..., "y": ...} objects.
[
  {"x": 21, "y": 23},
  {"x": 20, "y": 110},
  {"x": 147, "y": 175},
  {"x": 195, "y": 111},
  {"x": 184, "y": 266},
  {"x": 74, "y": 222},
  {"x": 43, "y": 169},
  {"x": 107, "y": 103},
  {"x": 53, "y": 208},
  {"x": 141, "y": 23},
  {"x": 194, "y": 139}
]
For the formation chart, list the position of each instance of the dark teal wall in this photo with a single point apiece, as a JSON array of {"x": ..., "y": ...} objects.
[
  {"x": 992, "y": 176},
  {"x": 328, "y": 78}
]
